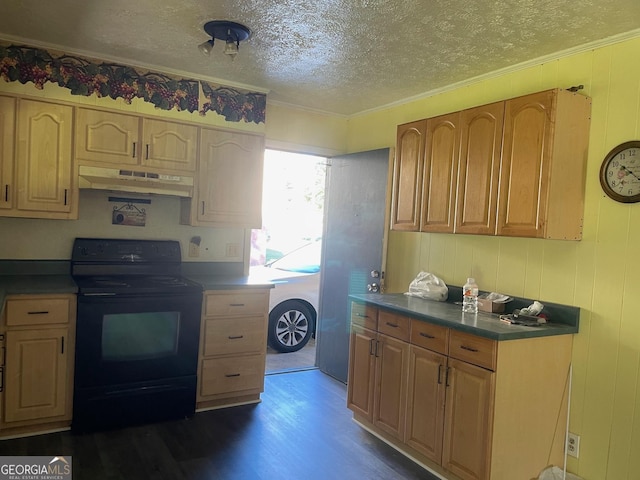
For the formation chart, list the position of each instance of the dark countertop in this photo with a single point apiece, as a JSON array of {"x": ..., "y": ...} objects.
[
  {"x": 53, "y": 276},
  {"x": 482, "y": 324},
  {"x": 21, "y": 284}
]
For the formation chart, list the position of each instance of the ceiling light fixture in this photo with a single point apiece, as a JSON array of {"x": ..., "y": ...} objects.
[{"x": 231, "y": 32}]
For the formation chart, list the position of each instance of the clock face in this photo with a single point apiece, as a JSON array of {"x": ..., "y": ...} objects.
[{"x": 620, "y": 173}]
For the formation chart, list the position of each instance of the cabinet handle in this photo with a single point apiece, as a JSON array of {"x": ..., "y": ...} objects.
[
  {"x": 1, "y": 379},
  {"x": 62, "y": 346},
  {"x": 229, "y": 375},
  {"x": 40, "y": 312},
  {"x": 361, "y": 315},
  {"x": 65, "y": 195},
  {"x": 147, "y": 153},
  {"x": 469, "y": 349},
  {"x": 440, "y": 374},
  {"x": 4, "y": 356},
  {"x": 426, "y": 335},
  {"x": 6, "y": 193},
  {"x": 446, "y": 378},
  {"x": 236, "y": 304},
  {"x": 392, "y": 324},
  {"x": 377, "y": 344},
  {"x": 134, "y": 150},
  {"x": 235, "y": 337},
  {"x": 203, "y": 208}
]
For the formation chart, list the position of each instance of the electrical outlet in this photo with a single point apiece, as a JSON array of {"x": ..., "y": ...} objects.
[
  {"x": 194, "y": 250},
  {"x": 233, "y": 250},
  {"x": 573, "y": 445}
]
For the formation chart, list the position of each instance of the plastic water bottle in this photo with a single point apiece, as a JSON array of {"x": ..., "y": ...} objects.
[{"x": 470, "y": 296}]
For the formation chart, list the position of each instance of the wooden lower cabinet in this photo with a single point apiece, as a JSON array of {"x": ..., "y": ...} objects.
[
  {"x": 233, "y": 345},
  {"x": 467, "y": 420},
  {"x": 389, "y": 401},
  {"x": 39, "y": 332},
  {"x": 425, "y": 406},
  {"x": 473, "y": 408}
]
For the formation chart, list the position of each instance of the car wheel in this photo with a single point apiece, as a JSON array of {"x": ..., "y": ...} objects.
[{"x": 290, "y": 326}]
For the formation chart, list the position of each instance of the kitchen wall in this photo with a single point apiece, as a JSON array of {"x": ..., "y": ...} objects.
[
  {"x": 25, "y": 238},
  {"x": 599, "y": 274}
]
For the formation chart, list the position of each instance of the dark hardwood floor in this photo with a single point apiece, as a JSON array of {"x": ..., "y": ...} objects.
[{"x": 302, "y": 430}]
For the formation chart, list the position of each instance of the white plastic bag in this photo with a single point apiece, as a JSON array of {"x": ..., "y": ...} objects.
[
  {"x": 555, "y": 473},
  {"x": 427, "y": 285}
]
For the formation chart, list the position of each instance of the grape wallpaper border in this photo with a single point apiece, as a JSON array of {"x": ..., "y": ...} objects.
[{"x": 85, "y": 77}]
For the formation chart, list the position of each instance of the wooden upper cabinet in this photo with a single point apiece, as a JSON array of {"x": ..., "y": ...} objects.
[
  {"x": 7, "y": 151},
  {"x": 543, "y": 167},
  {"x": 127, "y": 140},
  {"x": 229, "y": 188},
  {"x": 169, "y": 145},
  {"x": 44, "y": 166},
  {"x": 407, "y": 176},
  {"x": 479, "y": 169},
  {"x": 440, "y": 173},
  {"x": 107, "y": 137}
]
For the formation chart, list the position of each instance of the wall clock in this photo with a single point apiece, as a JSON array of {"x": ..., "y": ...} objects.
[{"x": 620, "y": 173}]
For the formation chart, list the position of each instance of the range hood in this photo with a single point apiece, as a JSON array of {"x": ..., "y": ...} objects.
[{"x": 136, "y": 181}]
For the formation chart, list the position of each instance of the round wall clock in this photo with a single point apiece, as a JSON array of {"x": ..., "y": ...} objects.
[{"x": 620, "y": 173}]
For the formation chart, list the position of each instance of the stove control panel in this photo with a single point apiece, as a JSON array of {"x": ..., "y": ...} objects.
[{"x": 126, "y": 251}]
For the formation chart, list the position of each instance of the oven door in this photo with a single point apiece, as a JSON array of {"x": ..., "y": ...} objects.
[{"x": 126, "y": 339}]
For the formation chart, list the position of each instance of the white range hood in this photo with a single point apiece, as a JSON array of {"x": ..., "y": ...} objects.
[{"x": 135, "y": 181}]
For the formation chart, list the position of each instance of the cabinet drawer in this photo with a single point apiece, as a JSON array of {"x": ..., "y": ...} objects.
[
  {"x": 37, "y": 311},
  {"x": 232, "y": 374},
  {"x": 223, "y": 336},
  {"x": 364, "y": 315},
  {"x": 473, "y": 349},
  {"x": 428, "y": 335},
  {"x": 236, "y": 303},
  {"x": 393, "y": 325}
]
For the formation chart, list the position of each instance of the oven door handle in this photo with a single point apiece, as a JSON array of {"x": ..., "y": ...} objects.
[{"x": 138, "y": 390}]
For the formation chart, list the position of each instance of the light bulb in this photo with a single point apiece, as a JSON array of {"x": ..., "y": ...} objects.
[{"x": 206, "y": 47}]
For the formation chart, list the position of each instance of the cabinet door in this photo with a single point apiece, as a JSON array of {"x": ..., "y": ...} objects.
[
  {"x": 107, "y": 137},
  {"x": 440, "y": 173},
  {"x": 230, "y": 181},
  {"x": 169, "y": 145},
  {"x": 407, "y": 176},
  {"x": 468, "y": 419},
  {"x": 525, "y": 166},
  {"x": 36, "y": 374},
  {"x": 362, "y": 362},
  {"x": 479, "y": 171},
  {"x": 425, "y": 406},
  {"x": 44, "y": 156},
  {"x": 7, "y": 150},
  {"x": 390, "y": 397}
]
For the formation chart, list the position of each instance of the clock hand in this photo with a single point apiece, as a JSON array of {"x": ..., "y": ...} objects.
[{"x": 622, "y": 167}]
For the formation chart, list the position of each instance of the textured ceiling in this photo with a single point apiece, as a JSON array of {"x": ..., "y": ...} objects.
[{"x": 338, "y": 56}]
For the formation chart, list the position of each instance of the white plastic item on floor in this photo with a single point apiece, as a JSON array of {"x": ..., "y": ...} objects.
[{"x": 556, "y": 473}]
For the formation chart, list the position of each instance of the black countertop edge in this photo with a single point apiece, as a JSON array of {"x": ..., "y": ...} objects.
[
  {"x": 35, "y": 267},
  {"x": 450, "y": 315}
]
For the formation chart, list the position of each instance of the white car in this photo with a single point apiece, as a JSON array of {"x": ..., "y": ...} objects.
[{"x": 293, "y": 302}]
